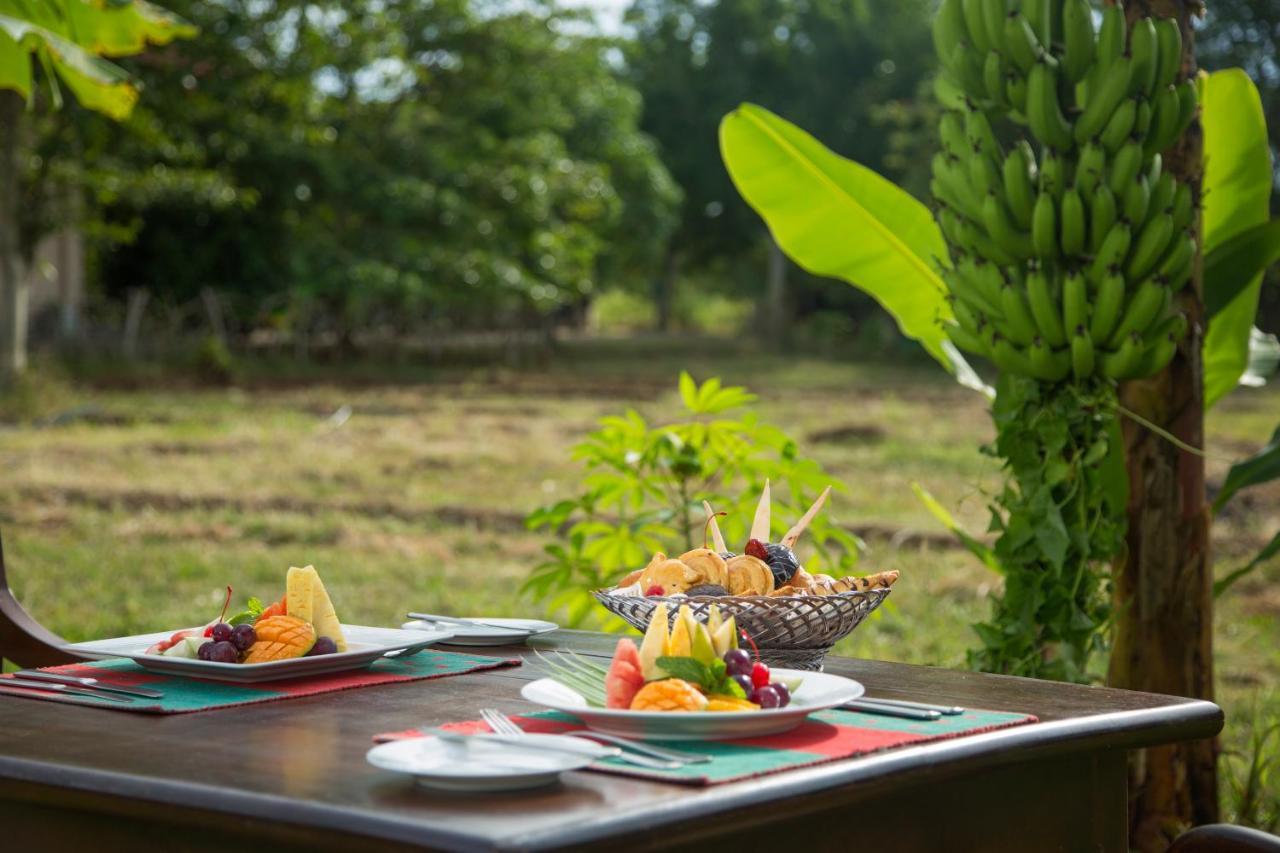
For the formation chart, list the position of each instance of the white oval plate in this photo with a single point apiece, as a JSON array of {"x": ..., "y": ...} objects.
[
  {"x": 477, "y": 765},
  {"x": 364, "y": 646},
  {"x": 818, "y": 692},
  {"x": 517, "y": 631}
]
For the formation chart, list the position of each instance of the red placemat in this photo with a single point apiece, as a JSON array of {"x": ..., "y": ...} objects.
[{"x": 823, "y": 737}]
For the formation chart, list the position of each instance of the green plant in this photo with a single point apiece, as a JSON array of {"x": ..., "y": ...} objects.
[
  {"x": 643, "y": 486},
  {"x": 1253, "y": 786}
]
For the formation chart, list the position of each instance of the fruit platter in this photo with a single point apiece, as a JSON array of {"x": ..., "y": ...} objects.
[
  {"x": 689, "y": 681},
  {"x": 794, "y": 617},
  {"x": 297, "y": 635}
]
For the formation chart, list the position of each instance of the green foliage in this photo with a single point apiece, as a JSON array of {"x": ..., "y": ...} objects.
[
  {"x": 1237, "y": 191},
  {"x": 1253, "y": 797},
  {"x": 1232, "y": 265},
  {"x": 1060, "y": 520},
  {"x": 812, "y": 199},
  {"x": 1262, "y": 467},
  {"x": 643, "y": 487}
]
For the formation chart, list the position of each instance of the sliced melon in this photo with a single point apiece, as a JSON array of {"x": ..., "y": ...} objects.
[
  {"x": 655, "y": 644},
  {"x": 323, "y": 616}
]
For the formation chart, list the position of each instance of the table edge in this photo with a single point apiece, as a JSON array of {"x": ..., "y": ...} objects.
[{"x": 1186, "y": 720}]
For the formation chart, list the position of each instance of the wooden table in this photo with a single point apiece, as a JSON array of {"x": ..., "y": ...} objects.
[{"x": 291, "y": 775}]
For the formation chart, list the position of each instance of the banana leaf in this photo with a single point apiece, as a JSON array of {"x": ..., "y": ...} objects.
[
  {"x": 1232, "y": 264},
  {"x": 1261, "y": 467},
  {"x": 837, "y": 218},
  {"x": 1271, "y": 549},
  {"x": 1236, "y": 194}
]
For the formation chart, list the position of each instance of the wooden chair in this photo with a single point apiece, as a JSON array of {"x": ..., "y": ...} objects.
[
  {"x": 23, "y": 640},
  {"x": 1224, "y": 838}
]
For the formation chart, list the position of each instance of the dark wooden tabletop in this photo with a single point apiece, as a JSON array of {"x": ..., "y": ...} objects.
[{"x": 299, "y": 765}]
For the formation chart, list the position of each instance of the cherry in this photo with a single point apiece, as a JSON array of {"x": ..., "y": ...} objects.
[
  {"x": 760, "y": 675},
  {"x": 653, "y": 589},
  {"x": 755, "y": 548}
]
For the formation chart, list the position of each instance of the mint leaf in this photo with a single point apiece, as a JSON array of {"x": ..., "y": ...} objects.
[
  {"x": 717, "y": 668},
  {"x": 690, "y": 669}
]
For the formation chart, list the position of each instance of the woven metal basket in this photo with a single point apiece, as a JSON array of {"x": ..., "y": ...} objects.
[{"x": 794, "y": 631}]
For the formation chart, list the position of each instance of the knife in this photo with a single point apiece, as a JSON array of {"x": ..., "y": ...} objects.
[
  {"x": 52, "y": 687},
  {"x": 868, "y": 707},
  {"x": 947, "y": 710},
  {"x": 76, "y": 681}
]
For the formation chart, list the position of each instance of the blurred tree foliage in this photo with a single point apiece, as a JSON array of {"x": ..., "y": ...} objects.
[
  {"x": 851, "y": 71},
  {"x": 335, "y": 165}
]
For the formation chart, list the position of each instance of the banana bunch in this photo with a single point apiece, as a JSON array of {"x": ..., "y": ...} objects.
[{"x": 1068, "y": 240}]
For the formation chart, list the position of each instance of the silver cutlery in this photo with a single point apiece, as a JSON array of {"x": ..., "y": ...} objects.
[
  {"x": 869, "y": 707},
  {"x": 472, "y": 623},
  {"x": 527, "y": 743},
  {"x": 502, "y": 724},
  {"x": 646, "y": 749},
  {"x": 945, "y": 710},
  {"x": 51, "y": 687},
  {"x": 76, "y": 681}
]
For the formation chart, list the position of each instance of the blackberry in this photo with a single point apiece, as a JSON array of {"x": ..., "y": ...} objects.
[
  {"x": 706, "y": 589},
  {"x": 782, "y": 562}
]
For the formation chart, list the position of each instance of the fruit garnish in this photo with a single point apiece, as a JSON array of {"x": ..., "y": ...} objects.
[
  {"x": 737, "y": 662},
  {"x": 712, "y": 589},
  {"x": 756, "y": 548},
  {"x": 243, "y": 636},
  {"x": 323, "y": 646},
  {"x": 717, "y": 702},
  {"x": 784, "y": 693},
  {"x": 681, "y": 644},
  {"x": 281, "y": 638},
  {"x": 760, "y": 674},
  {"x": 766, "y": 697},
  {"x": 221, "y": 632},
  {"x": 275, "y": 608},
  {"x": 725, "y": 637},
  {"x": 654, "y": 589},
  {"x": 625, "y": 678},
  {"x": 671, "y": 694},
  {"x": 655, "y": 644}
]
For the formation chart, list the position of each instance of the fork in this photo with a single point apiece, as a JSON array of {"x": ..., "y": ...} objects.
[{"x": 502, "y": 724}]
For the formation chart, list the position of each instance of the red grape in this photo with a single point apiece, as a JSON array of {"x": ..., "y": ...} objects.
[
  {"x": 323, "y": 646},
  {"x": 223, "y": 652},
  {"x": 221, "y": 633},
  {"x": 760, "y": 675},
  {"x": 204, "y": 651},
  {"x": 737, "y": 662},
  {"x": 766, "y": 697},
  {"x": 784, "y": 693},
  {"x": 744, "y": 681},
  {"x": 243, "y": 636}
]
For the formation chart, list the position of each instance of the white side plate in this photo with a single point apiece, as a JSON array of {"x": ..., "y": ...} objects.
[
  {"x": 364, "y": 646},
  {"x": 818, "y": 691},
  {"x": 512, "y": 631},
  {"x": 476, "y": 765}
]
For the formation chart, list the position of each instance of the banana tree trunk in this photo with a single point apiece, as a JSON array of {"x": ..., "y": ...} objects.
[
  {"x": 13, "y": 280},
  {"x": 1163, "y": 588}
]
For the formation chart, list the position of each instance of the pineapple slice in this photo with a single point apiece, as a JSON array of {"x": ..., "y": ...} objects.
[
  {"x": 325, "y": 617},
  {"x": 299, "y": 592}
]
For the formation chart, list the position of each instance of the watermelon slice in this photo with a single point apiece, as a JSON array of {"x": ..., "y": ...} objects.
[{"x": 625, "y": 676}]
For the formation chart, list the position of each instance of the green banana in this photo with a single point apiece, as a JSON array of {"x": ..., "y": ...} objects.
[
  {"x": 1020, "y": 42},
  {"x": 1044, "y": 227},
  {"x": 968, "y": 342},
  {"x": 948, "y": 29},
  {"x": 1125, "y": 166},
  {"x": 1155, "y": 356},
  {"x": 1156, "y": 169},
  {"x": 1052, "y": 178},
  {"x": 1150, "y": 246},
  {"x": 1122, "y": 363},
  {"x": 951, "y": 130},
  {"x": 1039, "y": 14},
  {"x": 975, "y": 24},
  {"x": 1142, "y": 118},
  {"x": 1106, "y": 307},
  {"x": 1049, "y": 366},
  {"x": 993, "y": 78},
  {"x": 976, "y": 240},
  {"x": 1072, "y": 227},
  {"x": 1001, "y": 228},
  {"x": 984, "y": 176},
  {"x": 1111, "y": 37},
  {"x": 949, "y": 93},
  {"x": 1010, "y": 359},
  {"x": 957, "y": 193},
  {"x": 970, "y": 320},
  {"x": 1083, "y": 361},
  {"x": 1147, "y": 303},
  {"x": 1164, "y": 124},
  {"x": 1044, "y": 310},
  {"x": 977, "y": 129},
  {"x": 966, "y": 67},
  {"x": 1018, "y": 189},
  {"x": 949, "y": 221},
  {"x": 1044, "y": 113},
  {"x": 1077, "y": 39},
  {"x": 1015, "y": 92},
  {"x": 1176, "y": 267},
  {"x": 1182, "y": 210},
  {"x": 1174, "y": 326},
  {"x": 1119, "y": 127},
  {"x": 1188, "y": 98},
  {"x": 1142, "y": 50},
  {"x": 1103, "y": 100},
  {"x": 1168, "y": 51},
  {"x": 1134, "y": 202},
  {"x": 1161, "y": 200},
  {"x": 1090, "y": 167},
  {"x": 1112, "y": 251},
  {"x": 1018, "y": 324},
  {"x": 1075, "y": 301},
  {"x": 1102, "y": 215},
  {"x": 993, "y": 14},
  {"x": 978, "y": 283}
]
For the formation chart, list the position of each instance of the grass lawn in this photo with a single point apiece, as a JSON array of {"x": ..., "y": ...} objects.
[{"x": 136, "y": 512}]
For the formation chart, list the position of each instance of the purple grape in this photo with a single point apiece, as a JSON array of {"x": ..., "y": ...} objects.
[
  {"x": 223, "y": 652},
  {"x": 204, "y": 651},
  {"x": 784, "y": 693},
  {"x": 743, "y": 681},
  {"x": 323, "y": 646},
  {"x": 737, "y": 662},
  {"x": 766, "y": 697},
  {"x": 221, "y": 633},
  {"x": 243, "y": 636}
]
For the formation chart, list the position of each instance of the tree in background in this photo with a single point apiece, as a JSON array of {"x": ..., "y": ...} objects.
[
  {"x": 396, "y": 165},
  {"x": 66, "y": 39},
  {"x": 831, "y": 65}
]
